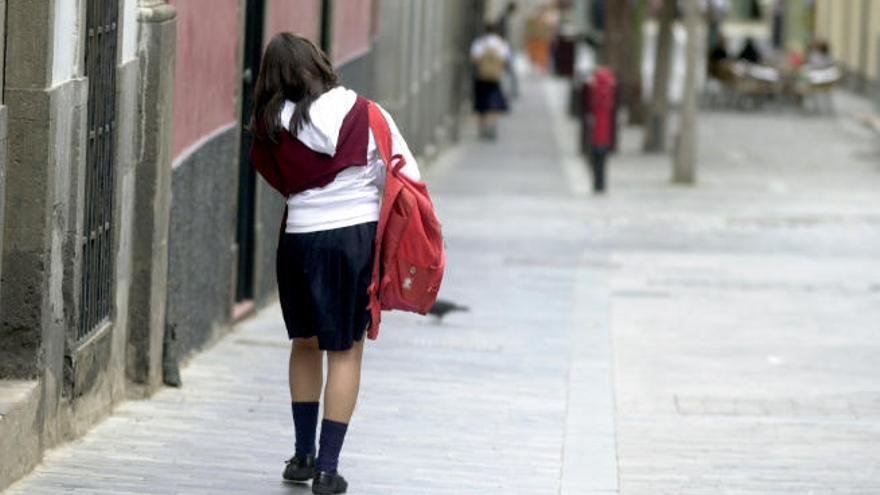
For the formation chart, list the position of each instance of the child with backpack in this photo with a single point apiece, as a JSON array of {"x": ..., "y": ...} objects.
[
  {"x": 327, "y": 150},
  {"x": 600, "y": 104},
  {"x": 490, "y": 55}
]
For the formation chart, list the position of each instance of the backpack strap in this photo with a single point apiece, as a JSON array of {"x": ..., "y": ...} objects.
[
  {"x": 381, "y": 132},
  {"x": 382, "y": 136}
]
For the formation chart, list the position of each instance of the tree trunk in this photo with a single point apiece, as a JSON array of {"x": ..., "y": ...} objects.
[
  {"x": 623, "y": 52},
  {"x": 635, "y": 104},
  {"x": 617, "y": 17},
  {"x": 655, "y": 124},
  {"x": 684, "y": 168}
]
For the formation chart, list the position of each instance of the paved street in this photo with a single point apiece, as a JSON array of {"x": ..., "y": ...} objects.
[
  {"x": 745, "y": 312},
  {"x": 714, "y": 339}
]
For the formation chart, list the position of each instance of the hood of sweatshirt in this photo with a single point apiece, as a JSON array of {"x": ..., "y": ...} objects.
[{"x": 326, "y": 115}]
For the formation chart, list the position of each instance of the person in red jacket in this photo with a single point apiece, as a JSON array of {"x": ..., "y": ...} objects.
[
  {"x": 600, "y": 101},
  {"x": 312, "y": 143}
]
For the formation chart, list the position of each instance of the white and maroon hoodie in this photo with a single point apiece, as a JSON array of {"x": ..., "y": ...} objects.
[{"x": 353, "y": 196}]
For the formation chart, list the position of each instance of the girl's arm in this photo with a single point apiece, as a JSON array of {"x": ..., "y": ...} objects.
[
  {"x": 399, "y": 147},
  {"x": 476, "y": 51}
]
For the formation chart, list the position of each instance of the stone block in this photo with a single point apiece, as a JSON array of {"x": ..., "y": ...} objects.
[
  {"x": 28, "y": 25},
  {"x": 152, "y": 202},
  {"x": 3, "y": 143},
  {"x": 19, "y": 441},
  {"x": 2, "y": 46},
  {"x": 25, "y": 245}
]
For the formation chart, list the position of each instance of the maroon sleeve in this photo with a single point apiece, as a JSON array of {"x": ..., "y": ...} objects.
[{"x": 263, "y": 160}]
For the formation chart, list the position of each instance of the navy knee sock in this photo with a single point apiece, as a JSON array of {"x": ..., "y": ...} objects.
[
  {"x": 305, "y": 423},
  {"x": 332, "y": 436}
]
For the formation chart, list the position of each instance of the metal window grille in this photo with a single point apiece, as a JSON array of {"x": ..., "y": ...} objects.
[{"x": 97, "y": 239}]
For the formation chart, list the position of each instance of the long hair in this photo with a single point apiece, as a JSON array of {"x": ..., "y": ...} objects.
[{"x": 294, "y": 69}]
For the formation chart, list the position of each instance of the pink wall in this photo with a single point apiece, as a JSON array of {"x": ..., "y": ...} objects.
[
  {"x": 351, "y": 28},
  {"x": 302, "y": 17},
  {"x": 207, "y": 68}
]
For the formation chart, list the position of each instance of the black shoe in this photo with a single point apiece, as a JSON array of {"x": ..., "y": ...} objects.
[
  {"x": 328, "y": 483},
  {"x": 300, "y": 468}
]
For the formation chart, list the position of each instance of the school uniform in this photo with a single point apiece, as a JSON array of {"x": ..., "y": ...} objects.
[
  {"x": 488, "y": 95},
  {"x": 331, "y": 175}
]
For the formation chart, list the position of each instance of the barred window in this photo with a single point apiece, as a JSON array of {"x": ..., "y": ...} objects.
[{"x": 97, "y": 240}]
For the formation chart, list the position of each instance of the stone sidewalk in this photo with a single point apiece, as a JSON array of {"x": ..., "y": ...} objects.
[
  {"x": 716, "y": 339},
  {"x": 745, "y": 312},
  {"x": 513, "y": 396}
]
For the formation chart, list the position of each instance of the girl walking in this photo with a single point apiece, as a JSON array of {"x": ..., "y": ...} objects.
[
  {"x": 312, "y": 142},
  {"x": 490, "y": 55}
]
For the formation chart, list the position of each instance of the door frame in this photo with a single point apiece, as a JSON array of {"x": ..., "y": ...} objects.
[{"x": 253, "y": 31}]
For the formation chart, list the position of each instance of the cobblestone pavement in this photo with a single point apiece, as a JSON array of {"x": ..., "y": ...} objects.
[{"x": 717, "y": 339}]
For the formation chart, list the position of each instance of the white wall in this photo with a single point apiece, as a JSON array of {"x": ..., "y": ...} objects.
[
  {"x": 129, "y": 24},
  {"x": 67, "y": 42},
  {"x": 68, "y": 36}
]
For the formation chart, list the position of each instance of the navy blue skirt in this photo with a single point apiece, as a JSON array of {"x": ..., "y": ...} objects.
[
  {"x": 322, "y": 284},
  {"x": 488, "y": 97}
]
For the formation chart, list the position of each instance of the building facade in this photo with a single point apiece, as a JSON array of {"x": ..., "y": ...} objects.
[
  {"x": 71, "y": 98},
  {"x": 852, "y": 28},
  {"x": 134, "y": 230}
]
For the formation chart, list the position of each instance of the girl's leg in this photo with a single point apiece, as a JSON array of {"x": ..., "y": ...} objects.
[
  {"x": 305, "y": 370},
  {"x": 340, "y": 396},
  {"x": 343, "y": 382},
  {"x": 491, "y": 123},
  {"x": 305, "y": 373}
]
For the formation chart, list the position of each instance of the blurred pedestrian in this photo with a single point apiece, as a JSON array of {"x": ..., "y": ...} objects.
[
  {"x": 716, "y": 11},
  {"x": 600, "y": 103},
  {"x": 490, "y": 55},
  {"x": 538, "y": 37},
  {"x": 795, "y": 57},
  {"x": 718, "y": 58},
  {"x": 719, "y": 52},
  {"x": 820, "y": 55},
  {"x": 504, "y": 30},
  {"x": 312, "y": 143},
  {"x": 750, "y": 52}
]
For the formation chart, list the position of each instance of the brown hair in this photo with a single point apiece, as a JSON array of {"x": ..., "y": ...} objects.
[{"x": 294, "y": 69}]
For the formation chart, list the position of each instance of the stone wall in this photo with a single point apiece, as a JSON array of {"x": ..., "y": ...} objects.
[
  {"x": 423, "y": 81},
  {"x": 201, "y": 255},
  {"x": 3, "y": 127},
  {"x": 148, "y": 287},
  {"x": 70, "y": 382}
]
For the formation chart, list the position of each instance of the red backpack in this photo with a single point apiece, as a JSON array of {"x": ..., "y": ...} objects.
[{"x": 410, "y": 256}]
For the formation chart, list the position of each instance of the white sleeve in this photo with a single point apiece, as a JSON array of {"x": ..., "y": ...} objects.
[
  {"x": 399, "y": 147},
  {"x": 477, "y": 48}
]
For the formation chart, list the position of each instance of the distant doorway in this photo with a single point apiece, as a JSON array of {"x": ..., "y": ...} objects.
[
  {"x": 247, "y": 180},
  {"x": 326, "y": 27}
]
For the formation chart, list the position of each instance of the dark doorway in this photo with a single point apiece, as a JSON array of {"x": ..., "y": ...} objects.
[
  {"x": 326, "y": 26},
  {"x": 247, "y": 180}
]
